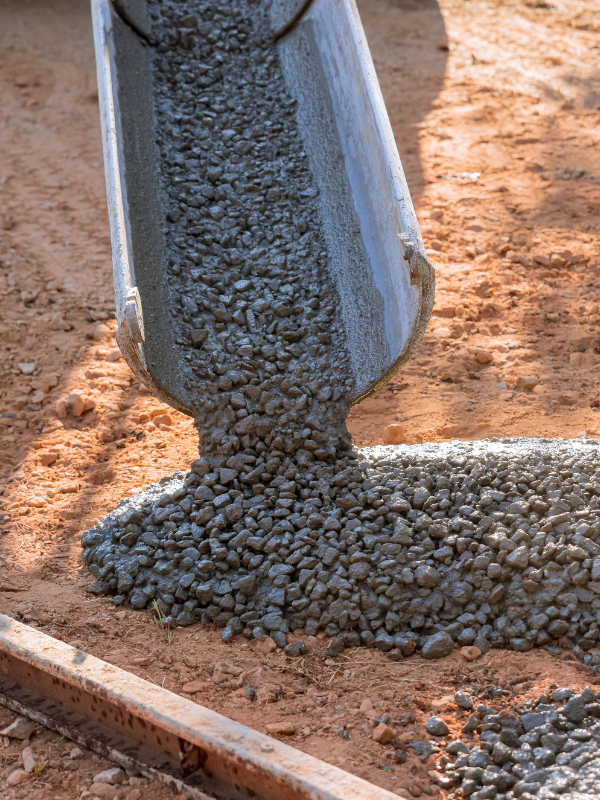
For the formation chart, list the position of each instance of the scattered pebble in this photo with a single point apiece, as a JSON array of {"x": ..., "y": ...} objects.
[
  {"x": 545, "y": 748},
  {"x": 437, "y": 646},
  {"x": 27, "y": 368},
  {"x": 281, "y": 728},
  {"x": 464, "y": 700},
  {"x": 36, "y": 502},
  {"x": 383, "y": 733},
  {"x": 394, "y": 434},
  {"x": 527, "y": 382},
  {"x": 366, "y": 706},
  {"x": 21, "y": 728},
  {"x": 113, "y": 776},
  {"x": 450, "y": 430},
  {"x": 295, "y": 649},
  {"x": 142, "y": 661},
  {"x": 29, "y": 759},
  {"x": 105, "y": 791},
  {"x": 267, "y": 693},
  {"x": 77, "y": 404},
  {"x": 436, "y": 726},
  {"x": 195, "y": 686},
  {"x": 470, "y": 653},
  {"x": 16, "y": 777},
  {"x": 265, "y": 645},
  {"x": 335, "y": 647},
  {"x": 68, "y": 487}
]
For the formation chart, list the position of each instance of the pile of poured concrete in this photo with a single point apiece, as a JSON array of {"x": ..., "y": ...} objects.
[{"x": 485, "y": 543}]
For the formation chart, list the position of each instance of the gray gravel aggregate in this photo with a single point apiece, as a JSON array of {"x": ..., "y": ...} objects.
[
  {"x": 542, "y": 749},
  {"x": 431, "y": 529}
]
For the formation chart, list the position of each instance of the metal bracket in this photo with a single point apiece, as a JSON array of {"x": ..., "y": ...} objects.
[
  {"x": 133, "y": 315},
  {"x": 410, "y": 256}
]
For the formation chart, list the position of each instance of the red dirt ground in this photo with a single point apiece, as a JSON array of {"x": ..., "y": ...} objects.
[{"x": 495, "y": 107}]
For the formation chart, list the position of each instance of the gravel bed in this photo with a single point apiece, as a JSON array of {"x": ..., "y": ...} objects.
[
  {"x": 544, "y": 749},
  {"x": 488, "y": 543}
]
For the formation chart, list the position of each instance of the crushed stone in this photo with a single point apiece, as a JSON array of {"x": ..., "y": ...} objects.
[
  {"x": 545, "y": 748},
  {"x": 490, "y": 543}
]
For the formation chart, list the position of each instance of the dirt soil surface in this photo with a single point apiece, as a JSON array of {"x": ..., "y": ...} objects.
[{"x": 496, "y": 111}]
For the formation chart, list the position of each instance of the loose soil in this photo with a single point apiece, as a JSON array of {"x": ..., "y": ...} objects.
[{"x": 495, "y": 107}]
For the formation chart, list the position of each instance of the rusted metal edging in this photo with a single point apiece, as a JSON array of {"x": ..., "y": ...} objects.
[
  {"x": 92, "y": 743},
  {"x": 154, "y": 732}
]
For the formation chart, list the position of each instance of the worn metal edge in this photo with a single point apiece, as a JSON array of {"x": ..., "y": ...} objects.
[
  {"x": 281, "y": 765},
  {"x": 116, "y": 756},
  {"x": 135, "y": 14},
  {"x": 414, "y": 251},
  {"x": 123, "y": 267},
  {"x": 427, "y": 298},
  {"x": 286, "y": 15}
]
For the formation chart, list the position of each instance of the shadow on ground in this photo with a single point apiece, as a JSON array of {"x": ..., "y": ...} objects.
[{"x": 403, "y": 35}]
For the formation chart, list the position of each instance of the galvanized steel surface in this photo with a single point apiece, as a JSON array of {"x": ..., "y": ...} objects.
[{"x": 376, "y": 254}]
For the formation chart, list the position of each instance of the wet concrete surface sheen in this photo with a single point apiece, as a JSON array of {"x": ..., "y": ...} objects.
[
  {"x": 545, "y": 748},
  {"x": 488, "y": 543}
]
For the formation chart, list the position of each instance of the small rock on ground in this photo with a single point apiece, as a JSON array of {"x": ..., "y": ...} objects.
[
  {"x": 436, "y": 726},
  {"x": 437, "y": 646},
  {"x": 21, "y": 728}
]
